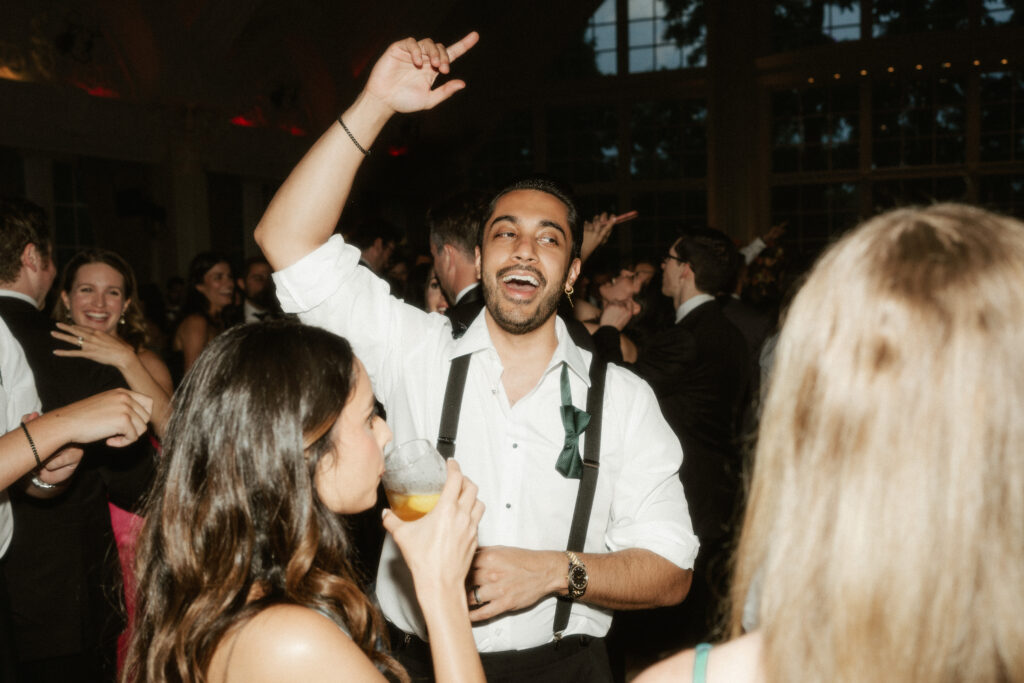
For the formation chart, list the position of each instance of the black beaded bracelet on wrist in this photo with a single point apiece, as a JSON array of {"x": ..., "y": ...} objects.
[
  {"x": 351, "y": 137},
  {"x": 32, "y": 444}
]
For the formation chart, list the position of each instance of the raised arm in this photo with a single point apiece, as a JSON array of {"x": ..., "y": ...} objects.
[{"x": 306, "y": 208}]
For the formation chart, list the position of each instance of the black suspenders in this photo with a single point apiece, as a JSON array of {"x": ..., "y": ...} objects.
[{"x": 591, "y": 455}]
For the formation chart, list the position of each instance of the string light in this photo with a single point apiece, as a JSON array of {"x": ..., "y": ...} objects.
[
  {"x": 835, "y": 76},
  {"x": 811, "y": 79},
  {"x": 863, "y": 72},
  {"x": 918, "y": 66},
  {"x": 1004, "y": 60},
  {"x": 976, "y": 62},
  {"x": 891, "y": 69},
  {"x": 946, "y": 65}
]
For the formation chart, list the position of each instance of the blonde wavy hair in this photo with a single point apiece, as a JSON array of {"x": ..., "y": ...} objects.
[{"x": 885, "y": 526}]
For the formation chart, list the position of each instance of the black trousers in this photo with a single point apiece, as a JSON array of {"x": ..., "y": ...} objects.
[{"x": 581, "y": 659}]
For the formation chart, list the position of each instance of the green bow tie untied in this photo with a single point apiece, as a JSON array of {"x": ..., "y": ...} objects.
[{"x": 570, "y": 464}]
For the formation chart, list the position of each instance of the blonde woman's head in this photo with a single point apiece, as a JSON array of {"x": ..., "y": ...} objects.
[{"x": 886, "y": 517}]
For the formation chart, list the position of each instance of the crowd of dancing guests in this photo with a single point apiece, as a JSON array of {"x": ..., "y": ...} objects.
[{"x": 835, "y": 488}]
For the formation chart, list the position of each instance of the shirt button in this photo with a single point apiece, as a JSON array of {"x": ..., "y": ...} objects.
[
  {"x": 515, "y": 445},
  {"x": 508, "y": 506}
]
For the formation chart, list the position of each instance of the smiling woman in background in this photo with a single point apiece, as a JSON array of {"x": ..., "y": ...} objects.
[
  {"x": 208, "y": 291},
  {"x": 98, "y": 312},
  {"x": 423, "y": 290}
]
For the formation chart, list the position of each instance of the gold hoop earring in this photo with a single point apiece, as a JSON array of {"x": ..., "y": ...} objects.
[
  {"x": 568, "y": 295},
  {"x": 121, "y": 321}
]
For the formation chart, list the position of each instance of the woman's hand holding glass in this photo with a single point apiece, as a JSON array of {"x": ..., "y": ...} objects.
[{"x": 439, "y": 546}]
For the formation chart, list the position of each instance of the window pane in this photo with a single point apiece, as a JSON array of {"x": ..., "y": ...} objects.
[
  {"x": 641, "y": 34},
  {"x": 1002, "y": 115},
  {"x": 897, "y": 17},
  {"x": 919, "y": 121},
  {"x": 641, "y": 60},
  {"x": 677, "y": 31},
  {"x": 669, "y": 139},
  {"x": 605, "y": 13},
  {"x": 583, "y": 143},
  {"x": 815, "y": 213},
  {"x": 606, "y": 63},
  {"x": 642, "y": 9},
  {"x": 815, "y": 129},
  {"x": 668, "y": 57},
  {"x": 886, "y": 195},
  {"x": 1002, "y": 12},
  {"x": 1003, "y": 193},
  {"x": 593, "y": 51},
  {"x": 801, "y": 23},
  {"x": 604, "y": 37}
]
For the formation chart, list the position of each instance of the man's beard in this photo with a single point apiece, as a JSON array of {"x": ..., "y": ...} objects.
[
  {"x": 508, "y": 320},
  {"x": 266, "y": 298}
]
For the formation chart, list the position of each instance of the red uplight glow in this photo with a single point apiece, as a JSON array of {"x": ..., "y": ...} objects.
[
  {"x": 394, "y": 151},
  {"x": 242, "y": 121},
  {"x": 99, "y": 90}
]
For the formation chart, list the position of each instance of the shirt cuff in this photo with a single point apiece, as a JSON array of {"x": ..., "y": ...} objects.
[{"x": 679, "y": 549}]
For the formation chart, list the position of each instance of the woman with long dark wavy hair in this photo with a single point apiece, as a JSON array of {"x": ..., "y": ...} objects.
[
  {"x": 209, "y": 289},
  {"x": 243, "y": 562}
]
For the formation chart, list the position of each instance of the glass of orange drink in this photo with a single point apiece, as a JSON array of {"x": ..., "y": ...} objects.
[{"x": 414, "y": 474}]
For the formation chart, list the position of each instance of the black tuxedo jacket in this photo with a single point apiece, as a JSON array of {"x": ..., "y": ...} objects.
[
  {"x": 463, "y": 313},
  {"x": 62, "y": 570},
  {"x": 698, "y": 369}
]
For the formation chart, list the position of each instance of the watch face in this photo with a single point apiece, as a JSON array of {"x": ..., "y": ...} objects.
[{"x": 578, "y": 577}]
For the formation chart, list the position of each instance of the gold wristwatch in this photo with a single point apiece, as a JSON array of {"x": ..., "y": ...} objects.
[{"x": 577, "y": 578}]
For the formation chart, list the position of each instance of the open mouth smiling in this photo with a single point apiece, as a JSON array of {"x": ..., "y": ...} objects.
[{"x": 521, "y": 282}]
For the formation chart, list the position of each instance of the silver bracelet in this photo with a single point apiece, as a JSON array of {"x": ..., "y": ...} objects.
[{"x": 40, "y": 484}]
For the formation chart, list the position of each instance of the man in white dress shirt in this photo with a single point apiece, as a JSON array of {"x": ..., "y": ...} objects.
[{"x": 639, "y": 544}]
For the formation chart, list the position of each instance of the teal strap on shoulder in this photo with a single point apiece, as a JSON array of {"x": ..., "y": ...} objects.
[{"x": 700, "y": 663}]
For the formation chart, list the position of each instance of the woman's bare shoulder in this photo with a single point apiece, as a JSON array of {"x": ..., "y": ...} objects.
[
  {"x": 290, "y": 642},
  {"x": 734, "y": 661},
  {"x": 193, "y": 324}
]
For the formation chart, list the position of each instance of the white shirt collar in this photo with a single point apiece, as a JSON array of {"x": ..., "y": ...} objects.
[
  {"x": 19, "y": 295},
  {"x": 693, "y": 302},
  {"x": 478, "y": 338},
  {"x": 251, "y": 310}
]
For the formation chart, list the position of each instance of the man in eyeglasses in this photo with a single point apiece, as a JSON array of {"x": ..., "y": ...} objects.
[{"x": 699, "y": 372}]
